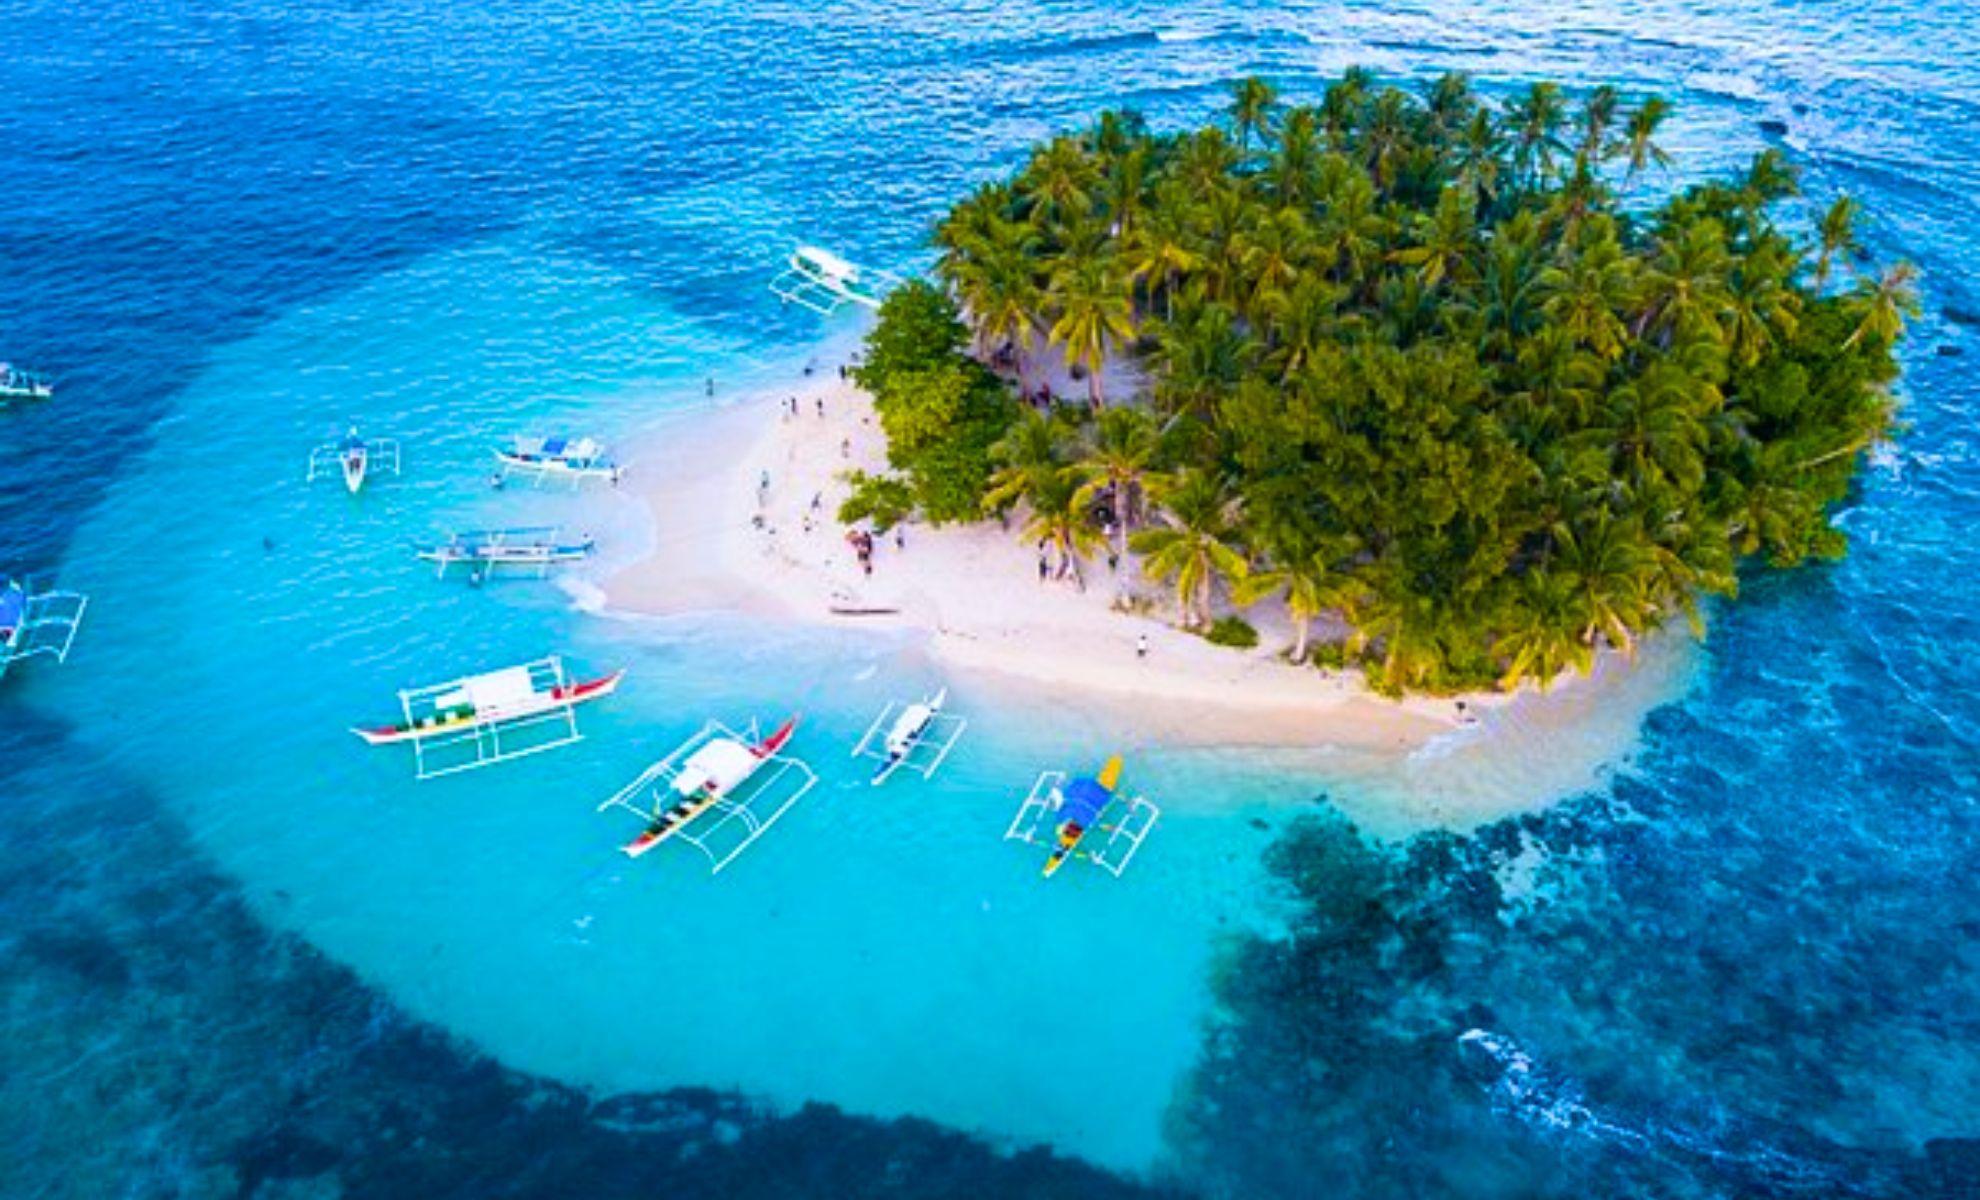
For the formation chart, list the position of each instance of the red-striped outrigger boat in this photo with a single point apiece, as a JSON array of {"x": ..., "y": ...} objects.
[
  {"x": 744, "y": 778},
  {"x": 488, "y": 718}
]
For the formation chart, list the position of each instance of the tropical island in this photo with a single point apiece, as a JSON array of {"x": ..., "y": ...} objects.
[{"x": 1412, "y": 363}]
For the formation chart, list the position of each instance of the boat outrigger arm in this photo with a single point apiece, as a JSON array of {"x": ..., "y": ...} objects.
[
  {"x": 1088, "y": 817},
  {"x": 484, "y": 719},
  {"x": 823, "y": 282},
  {"x": 718, "y": 791},
  {"x": 35, "y": 622},
  {"x": 916, "y": 736}
]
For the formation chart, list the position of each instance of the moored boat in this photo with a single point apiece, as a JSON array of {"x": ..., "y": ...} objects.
[
  {"x": 1081, "y": 801},
  {"x": 715, "y": 771},
  {"x": 484, "y": 550},
  {"x": 355, "y": 459},
  {"x": 906, "y": 733},
  {"x": 511, "y": 694},
  {"x": 576, "y": 459},
  {"x": 18, "y": 384}
]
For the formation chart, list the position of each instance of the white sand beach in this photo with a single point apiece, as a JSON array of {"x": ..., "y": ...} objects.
[{"x": 975, "y": 591}]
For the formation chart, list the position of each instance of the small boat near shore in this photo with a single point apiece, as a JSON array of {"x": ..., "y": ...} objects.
[
  {"x": 355, "y": 459},
  {"x": 917, "y": 736},
  {"x": 482, "y": 551},
  {"x": 36, "y": 622},
  {"x": 823, "y": 282},
  {"x": 19, "y": 384},
  {"x": 575, "y": 459},
  {"x": 740, "y": 781},
  {"x": 1070, "y": 815},
  {"x": 492, "y": 717}
]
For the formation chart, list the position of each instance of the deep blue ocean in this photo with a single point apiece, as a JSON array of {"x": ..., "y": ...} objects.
[{"x": 1747, "y": 964}]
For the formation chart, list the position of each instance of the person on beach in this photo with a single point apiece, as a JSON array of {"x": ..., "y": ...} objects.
[
  {"x": 711, "y": 385},
  {"x": 1141, "y": 646},
  {"x": 845, "y": 447},
  {"x": 821, "y": 408},
  {"x": 817, "y": 501},
  {"x": 763, "y": 490},
  {"x": 1044, "y": 568},
  {"x": 900, "y": 537}
]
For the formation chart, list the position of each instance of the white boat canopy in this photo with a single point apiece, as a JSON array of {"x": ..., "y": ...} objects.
[{"x": 824, "y": 282}]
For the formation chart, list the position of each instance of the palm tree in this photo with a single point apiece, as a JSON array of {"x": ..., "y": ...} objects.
[
  {"x": 1270, "y": 259},
  {"x": 1536, "y": 118},
  {"x": 1059, "y": 520},
  {"x": 1092, "y": 309},
  {"x": 1252, "y": 101},
  {"x": 1760, "y": 303},
  {"x": 1029, "y": 452},
  {"x": 1123, "y": 452},
  {"x": 1683, "y": 287},
  {"x": 1611, "y": 575},
  {"x": 1195, "y": 545},
  {"x": 1837, "y": 235},
  {"x": 1445, "y": 239},
  {"x": 1311, "y": 584},
  {"x": 1639, "y": 138},
  {"x": 1543, "y": 637},
  {"x": 1294, "y": 171},
  {"x": 1199, "y": 357},
  {"x": 1598, "y": 114},
  {"x": 1160, "y": 249},
  {"x": 1586, "y": 290},
  {"x": 1885, "y": 305},
  {"x": 1058, "y": 182}
]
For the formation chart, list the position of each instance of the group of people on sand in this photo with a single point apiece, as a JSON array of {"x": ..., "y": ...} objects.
[{"x": 862, "y": 544}]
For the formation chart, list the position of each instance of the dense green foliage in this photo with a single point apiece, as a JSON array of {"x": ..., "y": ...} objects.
[
  {"x": 1414, "y": 361},
  {"x": 940, "y": 409}
]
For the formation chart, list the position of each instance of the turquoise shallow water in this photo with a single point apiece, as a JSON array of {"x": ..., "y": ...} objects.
[{"x": 1738, "y": 963}]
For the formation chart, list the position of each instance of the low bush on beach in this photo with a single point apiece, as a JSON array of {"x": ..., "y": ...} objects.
[
  {"x": 1231, "y": 631},
  {"x": 885, "y": 500}
]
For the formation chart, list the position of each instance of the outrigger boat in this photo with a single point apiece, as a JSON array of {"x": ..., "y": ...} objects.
[
  {"x": 16, "y": 384},
  {"x": 1084, "y": 808},
  {"x": 576, "y": 459},
  {"x": 488, "y": 718},
  {"x": 355, "y": 459},
  {"x": 918, "y": 736},
  {"x": 483, "y": 550},
  {"x": 719, "y": 770},
  {"x": 35, "y": 622},
  {"x": 823, "y": 282}
]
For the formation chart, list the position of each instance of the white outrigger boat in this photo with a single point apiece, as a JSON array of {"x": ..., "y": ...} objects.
[
  {"x": 823, "y": 282},
  {"x": 35, "y": 622},
  {"x": 575, "y": 459},
  {"x": 355, "y": 459},
  {"x": 489, "y": 718},
  {"x": 1088, "y": 817},
  {"x": 16, "y": 384},
  {"x": 917, "y": 736},
  {"x": 741, "y": 782},
  {"x": 483, "y": 550}
]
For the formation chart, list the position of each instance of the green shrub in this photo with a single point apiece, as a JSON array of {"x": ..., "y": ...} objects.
[
  {"x": 1232, "y": 631},
  {"x": 886, "y": 500}
]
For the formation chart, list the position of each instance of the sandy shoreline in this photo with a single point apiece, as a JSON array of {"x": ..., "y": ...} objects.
[{"x": 974, "y": 592}]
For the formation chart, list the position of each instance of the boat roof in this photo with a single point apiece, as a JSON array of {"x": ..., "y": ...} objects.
[
  {"x": 1084, "y": 799},
  {"x": 13, "y": 605},
  {"x": 722, "y": 760},
  {"x": 499, "y": 689},
  {"x": 826, "y": 261}
]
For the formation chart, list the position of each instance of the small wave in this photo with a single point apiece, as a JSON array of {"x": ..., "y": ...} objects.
[
  {"x": 1185, "y": 35},
  {"x": 586, "y": 596}
]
